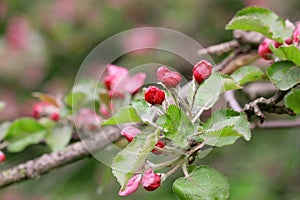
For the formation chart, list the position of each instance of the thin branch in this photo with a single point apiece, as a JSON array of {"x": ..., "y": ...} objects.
[
  {"x": 227, "y": 60},
  {"x": 47, "y": 162},
  {"x": 220, "y": 48},
  {"x": 261, "y": 104}
]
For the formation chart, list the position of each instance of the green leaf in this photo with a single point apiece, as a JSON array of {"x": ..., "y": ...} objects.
[
  {"x": 4, "y": 129},
  {"x": 221, "y": 137},
  {"x": 284, "y": 74},
  {"x": 229, "y": 125},
  {"x": 22, "y": 133},
  {"x": 289, "y": 53},
  {"x": 263, "y": 21},
  {"x": 83, "y": 94},
  {"x": 176, "y": 126},
  {"x": 129, "y": 160},
  {"x": 123, "y": 115},
  {"x": 247, "y": 74},
  {"x": 58, "y": 137},
  {"x": 204, "y": 183},
  {"x": 292, "y": 100},
  {"x": 208, "y": 92},
  {"x": 143, "y": 110}
]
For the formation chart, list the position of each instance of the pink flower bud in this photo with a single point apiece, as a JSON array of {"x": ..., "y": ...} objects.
[
  {"x": 154, "y": 95},
  {"x": 296, "y": 33},
  {"x": 161, "y": 72},
  {"x": 264, "y": 48},
  {"x": 202, "y": 70},
  {"x": 159, "y": 144},
  {"x": 169, "y": 78},
  {"x": 151, "y": 181},
  {"x": 288, "y": 41},
  {"x": 172, "y": 79},
  {"x": 130, "y": 132},
  {"x": 55, "y": 116},
  {"x": 2, "y": 157},
  {"x": 44, "y": 109},
  {"x": 132, "y": 185}
]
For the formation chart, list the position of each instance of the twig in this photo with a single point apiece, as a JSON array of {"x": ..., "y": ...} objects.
[
  {"x": 47, "y": 162},
  {"x": 259, "y": 105},
  {"x": 220, "y": 48},
  {"x": 227, "y": 60}
]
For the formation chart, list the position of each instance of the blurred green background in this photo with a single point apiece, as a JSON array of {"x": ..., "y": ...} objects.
[{"x": 42, "y": 46}]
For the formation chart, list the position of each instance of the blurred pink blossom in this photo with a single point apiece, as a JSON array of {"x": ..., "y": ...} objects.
[
  {"x": 64, "y": 9},
  {"x": 140, "y": 39},
  {"x": 17, "y": 33},
  {"x": 88, "y": 119},
  {"x": 119, "y": 82}
]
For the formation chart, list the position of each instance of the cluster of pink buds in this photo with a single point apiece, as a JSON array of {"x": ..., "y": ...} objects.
[
  {"x": 170, "y": 79},
  {"x": 130, "y": 132},
  {"x": 44, "y": 109},
  {"x": 264, "y": 48},
  {"x": 150, "y": 181},
  {"x": 2, "y": 157}
]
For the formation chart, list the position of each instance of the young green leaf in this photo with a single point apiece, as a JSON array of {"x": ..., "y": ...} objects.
[
  {"x": 129, "y": 160},
  {"x": 203, "y": 183},
  {"x": 289, "y": 53},
  {"x": 263, "y": 21},
  {"x": 176, "y": 126},
  {"x": 226, "y": 123},
  {"x": 22, "y": 133},
  {"x": 3, "y": 129},
  {"x": 284, "y": 74},
  {"x": 58, "y": 137},
  {"x": 247, "y": 74},
  {"x": 292, "y": 100},
  {"x": 143, "y": 110},
  {"x": 208, "y": 93},
  {"x": 221, "y": 137},
  {"x": 124, "y": 115}
]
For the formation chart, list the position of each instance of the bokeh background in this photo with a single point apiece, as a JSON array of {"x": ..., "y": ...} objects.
[{"x": 44, "y": 42}]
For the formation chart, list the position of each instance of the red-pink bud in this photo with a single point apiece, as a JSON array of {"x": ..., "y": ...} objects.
[
  {"x": 44, "y": 109},
  {"x": 172, "y": 79},
  {"x": 288, "y": 41},
  {"x": 2, "y": 157},
  {"x": 132, "y": 185},
  {"x": 169, "y": 78},
  {"x": 296, "y": 33},
  {"x": 202, "y": 71},
  {"x": 130, "y": 132},
  {"x": 151, "y": 181},
  {"x": 55, "y": 116},
  {"x": 161, "y": 72},
  {"x": 154, "y": 95},
  {"x": 159, "y": 144},
  {"x": 264, "y": 48}
]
